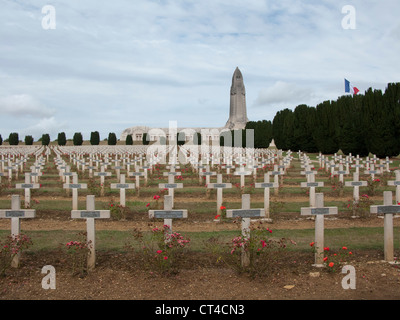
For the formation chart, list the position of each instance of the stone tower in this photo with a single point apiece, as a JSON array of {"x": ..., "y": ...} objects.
[{"x": 237, "y": 111}]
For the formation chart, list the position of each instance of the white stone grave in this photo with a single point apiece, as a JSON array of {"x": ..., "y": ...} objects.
[
  {"x": 388, "y": 210},
  {"x": 319, "y": 211},
  {"x": 90, "y": 214},
  {"x": 75, "y": 186},
  {"x": 168, "y": 213},
  {"x": 122, "y": 186},
  {"x": 15, "y": 214},
  {"x": 245, "y": 213}
]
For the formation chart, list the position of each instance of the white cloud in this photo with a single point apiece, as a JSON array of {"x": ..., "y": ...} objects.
[
  {"x": 24, "y": 105},
  {"x": 111, "y": 65},
  {"x": 284, "y": 93},
  {"x": 46, "y": 125}
]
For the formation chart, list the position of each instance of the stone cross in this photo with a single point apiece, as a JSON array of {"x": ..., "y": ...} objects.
[
  {"x": 356, "y": 184},
  {"x": 15, "y": 214},
  {"x": 220, "y": 187},
  {"x": 90, "y": 214},
  {"x": 341, "y": 172},
  {"x": 118, "y": 168},
  {"x": 102, "y": 174},
  {"x": 312, "y": 185},
  {"x": 319, "y": 211},
  {"x": 372, "y": 171},
  {"x": 276, "y": 175},
  {"x": 388, "y": 209},
  {"x": 122, "y": 186},
  {"x": 168, "y": 213},
  {"x": 387, "y": 162},
  {"x": 266, "y": 185},
  {"x": 246, "y": 214},
  {"x": 137, "y": 176},
  {"x": 75, "y": 186},
  {"x": 207, "y": 174},
  {"x": 27, "y": 186},
  {"x": 171, "y": 185},
  {"x": 242, "y": 173},
  {"x": 397, "y": 184}
]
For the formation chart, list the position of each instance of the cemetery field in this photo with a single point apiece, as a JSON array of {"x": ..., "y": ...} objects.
[{"x": 205, "y": 267}]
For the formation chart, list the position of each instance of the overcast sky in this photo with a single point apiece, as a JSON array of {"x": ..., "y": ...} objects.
[{"x": 110, "y": 65}]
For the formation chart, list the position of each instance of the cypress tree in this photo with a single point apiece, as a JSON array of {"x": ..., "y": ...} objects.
[
  {"x": 77, "y": 139},
  {"x": 45, "y": 139},
  {"x": 61, "y": 139},
  {"x": 94, "y": 138},
  {"x": 13, "y": 139},
  {"x": 28, "y": 140},
  {"x": 129, "y": 140},
  {"x": 112, "y": 139}
]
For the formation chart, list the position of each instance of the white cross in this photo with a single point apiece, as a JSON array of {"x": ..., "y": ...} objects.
[
  {"x": 397, "y": 184},
  {"x": 220, "y": 187},
  {"x": 167, "y": 213},
  {"x": 122, "y": 186},
  {"x": 15, "y": 214},
  {"x": 356, "y": 184},
  {"x": 246, "y": 214},
  {"x": 171, "y": 185},
  {"x": 27, "y": 186},
  {"x": 90, "y": 214},
  {"x": 319, "y": 211},
  {"x": 388, "y": 209},
  {"x": 266, "y": 185},
  {"x": 74, "y": 186}
]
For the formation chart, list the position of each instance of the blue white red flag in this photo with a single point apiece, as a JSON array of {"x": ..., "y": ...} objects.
[{"x": 348, "y": 88}]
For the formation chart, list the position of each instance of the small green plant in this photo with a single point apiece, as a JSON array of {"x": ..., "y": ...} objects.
[
  {"x": 264, "y": 252},
  {"x": 117, "y": 210},
  {"x": 93, "y": 187},
  {"x": 9, "y": 248},
  {"x": 360, "y": 208},
  {"x": 164, "y": 251},
  {"x": 373, "y": 184},
  {"x": 78, "y": 252}
]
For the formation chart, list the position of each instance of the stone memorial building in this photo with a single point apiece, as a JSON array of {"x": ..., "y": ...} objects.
[{"x": 237, "y": 119}]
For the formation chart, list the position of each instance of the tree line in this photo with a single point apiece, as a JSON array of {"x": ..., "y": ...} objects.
[
  {"x": 13, "y": 139},
  {"x": 358, "y": 124}
]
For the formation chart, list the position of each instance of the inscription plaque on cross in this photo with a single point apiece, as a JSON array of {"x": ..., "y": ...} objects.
[
  {"x": 15, "y": 214},
  {"x": 90, "y": 214},
  {"x": 246, "y": 214},
  {"x": 319, "y": 211},
  {"x": 388, "y": 210},
  {"x": 27, "y": 186}
]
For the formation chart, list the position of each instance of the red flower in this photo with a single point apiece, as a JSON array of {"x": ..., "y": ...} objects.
[
  {"x": 217, "y": 216},
  {"x": 222, "y": 207},
  {"x": 147, "y": 204}
]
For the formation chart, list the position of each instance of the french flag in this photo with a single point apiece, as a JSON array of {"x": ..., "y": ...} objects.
[{"x": 349, "y": 88}]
